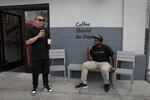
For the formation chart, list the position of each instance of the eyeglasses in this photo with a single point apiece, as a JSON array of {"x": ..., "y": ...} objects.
[{"x": 40, "y": 20}]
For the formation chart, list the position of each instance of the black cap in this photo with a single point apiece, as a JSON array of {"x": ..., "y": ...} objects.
[{"x": 99, "y": 37}]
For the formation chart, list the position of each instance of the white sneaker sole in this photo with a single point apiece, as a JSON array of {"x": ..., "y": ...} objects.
[
  {"x": 85, "y": 87},
  {"x": 48, "y": 90},
  {"x": 33, "y": 93}
]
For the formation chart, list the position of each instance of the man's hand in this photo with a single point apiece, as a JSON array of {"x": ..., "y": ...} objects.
[
  {"x": 34, "y": 39},
  {"x": 41, "y": 34},
  {"x": 113, "y": 69}
]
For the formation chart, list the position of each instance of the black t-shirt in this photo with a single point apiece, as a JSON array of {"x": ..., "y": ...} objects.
[
  {"x": 101, "y": 54},
  {"x": 39, "y": 49}
]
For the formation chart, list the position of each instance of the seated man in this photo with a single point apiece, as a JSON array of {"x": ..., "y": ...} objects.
[{"x": 99, "y": 57}]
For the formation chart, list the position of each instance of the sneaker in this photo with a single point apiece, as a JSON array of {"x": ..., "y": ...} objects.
[
  {"x": 106, "y": 87},
  {"x": 33, "y": 92},
  {"x": 47, "y": 89},
  {"x": 81, "y": 85}
]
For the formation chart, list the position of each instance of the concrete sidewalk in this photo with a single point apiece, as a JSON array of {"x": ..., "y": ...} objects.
[{"x": 18, "y": 86}]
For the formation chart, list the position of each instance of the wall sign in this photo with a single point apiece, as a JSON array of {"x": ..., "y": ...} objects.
[{"x": 82, "y": 30}]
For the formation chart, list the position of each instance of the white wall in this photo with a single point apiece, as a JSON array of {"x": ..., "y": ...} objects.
[
  {"x": 65, "y": 13},
  {"x": 100, "y": 13},
  {"x": 21, "y": 2},
  {"x": 134, "y": 25}
]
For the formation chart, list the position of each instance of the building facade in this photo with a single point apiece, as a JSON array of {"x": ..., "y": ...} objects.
[{"x": 122, "y": 23}]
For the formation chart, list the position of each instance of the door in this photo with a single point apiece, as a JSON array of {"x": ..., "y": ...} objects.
[
  {"x": 11, "y": 41},
  {"x": 1, "y": 45}
]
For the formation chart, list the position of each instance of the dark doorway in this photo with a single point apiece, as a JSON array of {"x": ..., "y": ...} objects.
[
  {"x": 8, "y": 58},
  {"x": 11, "y": 41}
]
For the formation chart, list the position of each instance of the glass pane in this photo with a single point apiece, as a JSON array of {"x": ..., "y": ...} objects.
[
  {"x": 0, "y": 35},
  {"x": 12, "y": 41}
]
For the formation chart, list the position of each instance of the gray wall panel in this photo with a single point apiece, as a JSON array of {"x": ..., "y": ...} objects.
[{"x": 76, "y": 49}]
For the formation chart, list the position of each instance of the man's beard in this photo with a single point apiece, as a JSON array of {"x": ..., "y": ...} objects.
[{"x": 96, "y": 45}]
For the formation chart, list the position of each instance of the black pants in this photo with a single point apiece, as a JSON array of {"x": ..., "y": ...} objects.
[{"x": 40, "y": 66}]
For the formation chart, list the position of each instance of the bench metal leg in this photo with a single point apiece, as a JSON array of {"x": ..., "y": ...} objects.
[
  {"x": 51, "y": 78},
  {"x": 114, "y": 80},
  {"x": 65, "y": 73},
  {"x": 68, "y": 74}
]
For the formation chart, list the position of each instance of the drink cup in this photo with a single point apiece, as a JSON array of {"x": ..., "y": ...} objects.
[
  {"x": 49, "y": 41},
  {"x": 43, "y": 31}
]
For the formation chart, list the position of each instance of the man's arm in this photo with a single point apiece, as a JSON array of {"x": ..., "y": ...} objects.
[
  {"x": 89, "y": 55},
  {"x": 32, "y": 40},
  {"x": 113, "y": 62}
]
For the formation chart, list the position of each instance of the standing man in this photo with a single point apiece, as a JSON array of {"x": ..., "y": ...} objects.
[
  {"x": 37, "y": 38},
  {"x": 99, "y": 57}
]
